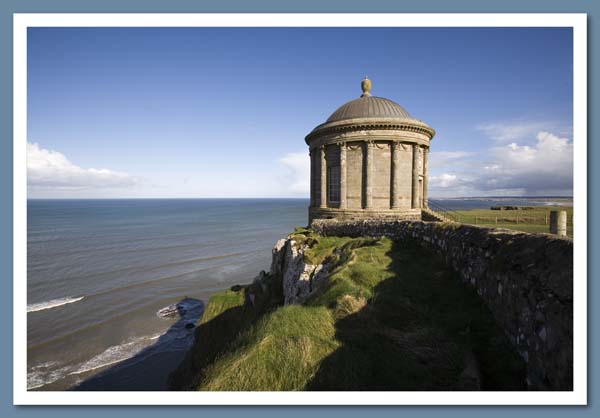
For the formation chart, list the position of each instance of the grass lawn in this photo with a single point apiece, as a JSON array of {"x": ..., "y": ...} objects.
[
  {"x": 391, "y": 316},
  {"x": 530, "y": 220}
]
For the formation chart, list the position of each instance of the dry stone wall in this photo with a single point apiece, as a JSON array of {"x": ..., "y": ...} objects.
[{"x": 525, "y": 279}]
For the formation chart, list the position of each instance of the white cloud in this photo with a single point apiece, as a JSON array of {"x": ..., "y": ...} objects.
[
  {"x": 512, "y": 131},
  {"x": 545, "y": 167},
  {"x": 444, "y": 180},
  {"x": 50, "y": 169},
  {"x": 296, "y": 175}
]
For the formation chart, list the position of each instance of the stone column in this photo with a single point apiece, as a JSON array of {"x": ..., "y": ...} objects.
[
  {"x": 425, "y": 176},
  {"x": 558, "y": 222},
  {"x": 343, "y": 171},
  {"x": 368, "y": 175},
  {"x": 311, "y": 156},
  {"x": 395, "y": 203},
  {"x": 323, "y": 160},
  {"x": 415, "y": 177}
]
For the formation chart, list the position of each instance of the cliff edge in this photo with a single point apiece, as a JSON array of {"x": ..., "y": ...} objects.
[{"x": 357, "y": 313}]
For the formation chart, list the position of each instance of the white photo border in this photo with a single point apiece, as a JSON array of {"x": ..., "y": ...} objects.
[{"x": 22, "y": 21}]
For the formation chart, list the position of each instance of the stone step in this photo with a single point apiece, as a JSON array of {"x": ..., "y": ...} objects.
[{"x": 437, "y": 216}]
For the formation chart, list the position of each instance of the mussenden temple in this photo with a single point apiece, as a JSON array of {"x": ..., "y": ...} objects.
[
  {"x": 369, "y": 161},
  {"x": 382, "y": 293}
]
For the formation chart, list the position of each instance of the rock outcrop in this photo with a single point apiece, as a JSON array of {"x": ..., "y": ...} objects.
[{"x": 300, "y": 279}]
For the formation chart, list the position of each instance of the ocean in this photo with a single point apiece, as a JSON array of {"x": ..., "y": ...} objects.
[
  {"x": 116, "y": 283},
  {"x": 99, "y": 272}
]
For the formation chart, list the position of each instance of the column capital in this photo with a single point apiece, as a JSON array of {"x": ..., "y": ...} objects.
[{"x": 401, "y": 146}]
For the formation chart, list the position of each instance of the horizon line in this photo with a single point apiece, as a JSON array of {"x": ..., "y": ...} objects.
[{"x": 289, "y": 198}]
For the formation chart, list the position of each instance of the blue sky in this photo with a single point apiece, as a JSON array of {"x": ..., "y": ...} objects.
[{"x": 222, "y": 112}]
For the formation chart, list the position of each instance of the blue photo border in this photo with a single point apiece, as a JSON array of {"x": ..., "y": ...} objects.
[{"x": 8, "y": 7}]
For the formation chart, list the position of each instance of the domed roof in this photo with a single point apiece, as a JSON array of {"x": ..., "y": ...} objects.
[
  {"x": 369, "y": 107},
  {"x": 370, "y": 113}
]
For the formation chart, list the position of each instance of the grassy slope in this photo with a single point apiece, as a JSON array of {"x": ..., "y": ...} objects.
[
  {"x": 529, "y": 220},
  {"x": 391, "y": 316}
]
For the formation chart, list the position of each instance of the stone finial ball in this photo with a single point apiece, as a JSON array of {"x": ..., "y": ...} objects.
[{"x": 365, "y": 85}]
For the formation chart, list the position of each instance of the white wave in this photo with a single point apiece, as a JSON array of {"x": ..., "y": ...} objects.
[
  {"x": 175, "y": 338},
  {"x": 46, "y": 373},
  {"x": 183, "y": 308},
  {"x": 34, "y": 307},
  {"x": 43, "y": 374},
  {"x": 170, "y": 311},
  {"x": 46, "y": 365},
  {"x": 115, "y": 354}
]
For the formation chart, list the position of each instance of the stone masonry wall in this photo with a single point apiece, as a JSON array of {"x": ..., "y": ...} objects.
[
  {"x": 354, "y": 176},
  {"x": 525, "y": 279},
  {"x": 381, "y": 178}
]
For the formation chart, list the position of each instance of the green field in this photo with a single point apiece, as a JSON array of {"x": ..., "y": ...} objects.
[{"x": 528, "y": 220}]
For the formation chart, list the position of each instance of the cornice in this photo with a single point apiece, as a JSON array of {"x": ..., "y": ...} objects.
[{"x": 409, "y": 125}]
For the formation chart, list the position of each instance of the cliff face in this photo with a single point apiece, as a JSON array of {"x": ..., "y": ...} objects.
[{"x": 300, "y": 279}]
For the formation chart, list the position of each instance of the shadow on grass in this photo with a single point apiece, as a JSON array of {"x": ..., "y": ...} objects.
[
  {"x": 211, "y": 339},
  {"x": 149, "y": 368},
  {"x": 422, "y": 330},
  {"x": 236, "y": 311}
]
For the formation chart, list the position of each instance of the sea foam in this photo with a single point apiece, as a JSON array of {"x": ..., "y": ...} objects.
[
  {"x": 54, "y": 303},
  {"x": 116, "y": 354},
  {"x": 49, "y": 372}
]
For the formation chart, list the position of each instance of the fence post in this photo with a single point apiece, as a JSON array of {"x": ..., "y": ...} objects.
[
  {"x": 558, "y": 222},
  {"x": 496, "y": 220}
]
